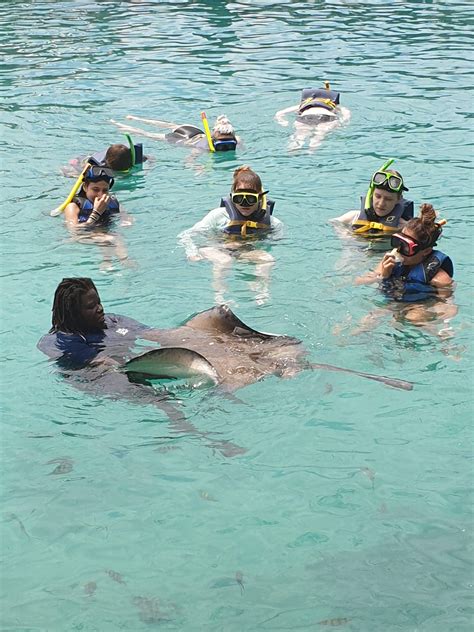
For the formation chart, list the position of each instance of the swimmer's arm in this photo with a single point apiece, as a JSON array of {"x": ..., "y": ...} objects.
[
  {"x": 346, "y": 218},
  {"x": 137, "y": 130},
  {"x": 280, "y": 115},
  {"x": 381, "y": 272},
  {"x": 125, "y": 218},
  {"x": 71, "y": 216},
  {"x": 277, "y": 228},
  {"x": 210, "y": 223},
  {"x": 444, "y": 284}
]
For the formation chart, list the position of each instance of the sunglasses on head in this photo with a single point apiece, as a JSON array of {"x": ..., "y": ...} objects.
[
  {"x": 407, "y": 246},
  {"x": 387, "y": 179},
  {"x": 246, "y": 198},
  {"x": 97, "y": 173},
  {"x": 229, "y": 144}
]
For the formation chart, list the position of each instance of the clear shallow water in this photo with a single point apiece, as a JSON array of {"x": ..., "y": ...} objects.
[{"x": 352, "y": 501}]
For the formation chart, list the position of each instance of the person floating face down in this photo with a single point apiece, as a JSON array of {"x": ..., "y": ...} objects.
[
  {"x": 91, "y": 212},
  {"x": 318, "y": 113},
  {"x": 245, "y": 215},
  {"x": 383, "y": 210},
  {"x": 317, "y": 105},
  {"x": 223, "y": 135},
  {"x": 414, "y": 271},
  {"x": 118, "y": 158}
]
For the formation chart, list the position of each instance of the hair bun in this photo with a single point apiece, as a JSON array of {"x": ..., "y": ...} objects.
[{"x": 223, "y": 125}]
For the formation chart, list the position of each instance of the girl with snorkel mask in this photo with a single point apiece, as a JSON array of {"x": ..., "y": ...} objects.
[
  {"x": 414, "y": 272},
  {"x": 243, "y": 216},
  {"x": 92, "y": 210}
]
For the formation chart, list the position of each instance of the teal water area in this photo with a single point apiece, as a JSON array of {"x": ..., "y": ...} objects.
[{"x": 351, "y": 507}]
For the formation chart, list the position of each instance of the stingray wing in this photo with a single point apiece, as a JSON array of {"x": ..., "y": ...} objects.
[
  {"x": 172, "y": 363},
  {"x": 222, "y": 319}
]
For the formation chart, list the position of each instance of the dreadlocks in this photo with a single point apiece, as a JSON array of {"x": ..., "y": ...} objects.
[{"x": 67, "y": 304}]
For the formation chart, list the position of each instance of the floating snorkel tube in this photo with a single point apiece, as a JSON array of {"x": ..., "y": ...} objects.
[
  {"x": 207, "y": 131},
  {"x": 59, "y": 209},
  {"x": 370, "y": 192}
]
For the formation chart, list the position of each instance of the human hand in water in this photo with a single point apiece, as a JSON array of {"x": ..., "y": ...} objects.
[
  {"x": 101, "y": 202},
  {"x": 387, "y": 264}
]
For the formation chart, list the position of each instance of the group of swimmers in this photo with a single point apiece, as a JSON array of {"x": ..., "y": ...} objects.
[{"x": 412, "y": 272}]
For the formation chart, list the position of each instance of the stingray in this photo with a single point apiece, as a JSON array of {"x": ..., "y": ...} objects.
[{"x": 216, "y": 348}]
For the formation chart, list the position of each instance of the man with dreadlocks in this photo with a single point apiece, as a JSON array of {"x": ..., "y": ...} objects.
[
  {"x": 82, "y": 334},
  {"x": 83, "y": 337}
]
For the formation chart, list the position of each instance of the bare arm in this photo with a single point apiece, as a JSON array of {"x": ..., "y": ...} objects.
[
  {"x": 346, "y": 218},
  {"x": 164, "y": 124},
  {"x": 206, "y": 225},
  {"x": 138, "y": 131},
  {"x": 280, "y": 115},
  {"x": 382, "y": 271}
]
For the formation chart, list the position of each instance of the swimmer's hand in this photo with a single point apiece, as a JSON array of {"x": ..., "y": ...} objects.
[
  {"x": 387, "y": 264},
  {"x": 101, "y": 202},
  {"x": 195, "y": 257}
]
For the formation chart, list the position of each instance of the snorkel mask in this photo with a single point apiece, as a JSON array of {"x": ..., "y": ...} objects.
[
  {"x": 226, "y": 144},
  {"x": 384, "y": 179},
  {"x": 96, "y": 174},
  {"x": 247, "y": 199},
  {"x": 409, "y": 246}
]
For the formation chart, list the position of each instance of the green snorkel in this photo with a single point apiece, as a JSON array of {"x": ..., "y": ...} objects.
[
  {"x": 370, "y": 191},
  {"x": 132, "y": 150}
]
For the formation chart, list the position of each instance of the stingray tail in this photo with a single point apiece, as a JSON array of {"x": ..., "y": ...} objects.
[{"x": 388, "y": 381}]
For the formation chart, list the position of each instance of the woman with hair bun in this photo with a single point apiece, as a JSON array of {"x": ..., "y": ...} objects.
[
  {"x": 244, "y": 216},
  {"x": 414, "y": 271}
]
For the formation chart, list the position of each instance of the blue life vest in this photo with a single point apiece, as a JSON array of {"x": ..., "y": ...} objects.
[
  {"x": 368, "y": 224},
  {"x": 99, "y": 157},
  {"x": 410, "y": 284},
  {"x": 318, "y": 97},
  {"x": 86, "y": 207},
  {"x": 243, "y": 226}
]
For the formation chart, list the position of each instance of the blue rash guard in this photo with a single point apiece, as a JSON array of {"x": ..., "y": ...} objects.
[{"x": 75, "y": 351}]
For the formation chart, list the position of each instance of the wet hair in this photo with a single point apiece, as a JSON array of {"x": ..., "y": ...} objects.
[
  {"x": 223, "y": 126},
  {"x": 424, "y": 227},
  {"x": 246, "y": 178},
  {"x": 67, "y": 304},
  {"x": 118, "y": 157}
]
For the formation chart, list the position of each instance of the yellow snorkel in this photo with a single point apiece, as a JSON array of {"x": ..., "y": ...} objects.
[
  {"x": 370, "y": 191},
  {"x": 59, "y": 209},
  {"x": 207, "y": 131}
]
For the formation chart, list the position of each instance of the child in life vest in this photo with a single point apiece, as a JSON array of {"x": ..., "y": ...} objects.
[
  {"x": 92, "y": 211},
  {"x": 414, "y": 271},
  {"x": 243, "y": 217},
  {"x": 383, "y": 209}
]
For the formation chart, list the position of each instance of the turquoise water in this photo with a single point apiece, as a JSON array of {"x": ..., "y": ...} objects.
[{"x": 351, "y": 507}]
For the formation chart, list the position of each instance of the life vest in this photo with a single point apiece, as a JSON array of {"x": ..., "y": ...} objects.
[
  {"x": 318, "y": 97},
  {"x": 86, "y": 207},
  {"x": 247, "y": 226},
  {"x": 409, "y": 284},
  {"x": 99, "y": 157},
  {"x": 365, "y": 225}
]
